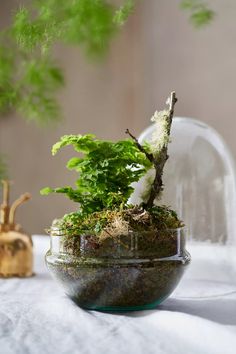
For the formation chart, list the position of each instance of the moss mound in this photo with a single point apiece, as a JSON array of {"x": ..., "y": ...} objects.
[
  {"x": 111, "y": 223},
  {"x": 101, "y": 230}
]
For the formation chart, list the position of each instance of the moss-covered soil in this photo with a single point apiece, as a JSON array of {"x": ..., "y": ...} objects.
[{"x": 103, "y": 229}]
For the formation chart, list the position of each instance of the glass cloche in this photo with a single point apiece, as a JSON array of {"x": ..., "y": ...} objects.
[{"x": 200, "y": 183}]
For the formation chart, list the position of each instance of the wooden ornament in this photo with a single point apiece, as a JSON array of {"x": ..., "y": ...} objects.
[{"x": 16, "y": 247}]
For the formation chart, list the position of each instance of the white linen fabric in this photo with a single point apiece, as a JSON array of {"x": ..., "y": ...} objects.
[{"x": 37, "y": 318}]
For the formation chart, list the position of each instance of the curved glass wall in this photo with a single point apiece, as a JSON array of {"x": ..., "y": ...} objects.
[{"x": 200, "y": 184}]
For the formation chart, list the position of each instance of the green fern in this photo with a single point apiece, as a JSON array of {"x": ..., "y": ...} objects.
[{"x": 106, "y": 171}]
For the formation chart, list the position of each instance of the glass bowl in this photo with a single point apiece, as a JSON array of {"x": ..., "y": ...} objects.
[{"x": 135, "y": 271}]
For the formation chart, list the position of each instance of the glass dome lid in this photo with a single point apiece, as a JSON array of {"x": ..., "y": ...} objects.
[{"x": 200, "y": 184}]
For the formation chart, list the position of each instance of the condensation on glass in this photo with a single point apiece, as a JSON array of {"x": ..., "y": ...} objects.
[{"x": 200, "y": 184}]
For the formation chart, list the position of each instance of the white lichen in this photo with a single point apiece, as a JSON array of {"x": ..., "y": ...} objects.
[
  {"x": 160, "y": 136},
  {"x": 147, "y": 185}
]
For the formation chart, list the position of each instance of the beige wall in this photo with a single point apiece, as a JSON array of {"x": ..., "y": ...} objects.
[{"x": 157, "y": 51}]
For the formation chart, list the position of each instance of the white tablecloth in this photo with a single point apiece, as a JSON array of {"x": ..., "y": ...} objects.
[{"x": 37, "y": 318}]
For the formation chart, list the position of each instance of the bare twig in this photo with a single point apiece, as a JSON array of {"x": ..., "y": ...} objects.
[
  {"x": 159, "y": 161},
  {"x": 171, "y": 102},
  {"x": 140, "y": 147}
]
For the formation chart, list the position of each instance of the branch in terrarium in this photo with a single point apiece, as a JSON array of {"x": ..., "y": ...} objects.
[
  {"x": 161, "y": 157},
  {"x": 158, "y": 155},
  {"x": 140, "y": 147}
]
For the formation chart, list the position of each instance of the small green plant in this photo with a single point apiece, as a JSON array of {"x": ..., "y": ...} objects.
[{"x": 107, "y": 171}]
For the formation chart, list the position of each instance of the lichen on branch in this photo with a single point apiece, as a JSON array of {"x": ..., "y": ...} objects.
[{"x": 158, "y": 149}]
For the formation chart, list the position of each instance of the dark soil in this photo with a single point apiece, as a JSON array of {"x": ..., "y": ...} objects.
[
  {"x": 118, "y": 285},
  {"x": 122, "y": 274}
]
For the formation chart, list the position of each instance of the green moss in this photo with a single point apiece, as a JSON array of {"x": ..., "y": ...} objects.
[
  {"x": 138, "y": 219},
  {"x": 102, "y": 229}
]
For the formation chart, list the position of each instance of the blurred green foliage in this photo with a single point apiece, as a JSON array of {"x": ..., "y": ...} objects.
[
  {"x": 29, "y": 76},
  {"x": 3, "y": 169},
  {"x": 200, "y": 13}
]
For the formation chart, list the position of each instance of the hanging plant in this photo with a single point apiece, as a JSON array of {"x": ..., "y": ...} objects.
[{"x": 30, "y": 76}]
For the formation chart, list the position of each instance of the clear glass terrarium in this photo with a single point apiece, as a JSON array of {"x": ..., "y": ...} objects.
[
  {"x": 109, "y": 254},
  {"x": 200, "y": 184},
  {"x": 125, "y": 273}
]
